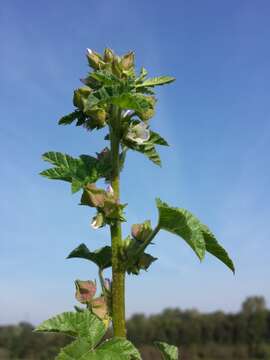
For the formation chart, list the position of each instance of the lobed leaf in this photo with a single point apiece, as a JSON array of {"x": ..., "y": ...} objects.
[
  {"x": 112, "y": 349},
  {"x": 169, "y": 352},
  {"x": 214, "y": 248},
  {"x": 68, "y": 119},
  {"x": 101, "y": 257},
  {"x": 181, "y": 222},
  {"x": 78, "y": 171},
  {"x": 148, "y": 147},
  {"x": 76, "y": 324},
  {"x": 156, "y": 81}
]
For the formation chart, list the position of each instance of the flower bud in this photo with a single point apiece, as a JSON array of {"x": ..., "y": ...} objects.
[
  {"x": 98, "y": 221},
  {"x": 109, "y": 190},
  {"x": 85, "y": 291},
  {"x": 108, "y": 55},
  {"x": 94, "y": 59},
  {"x": 142, "y": 231},
  {"x": 99, "y": 307},
  {"x": 127, "y": 61},
  {"x": 150, "y": 112},
  {"x": 107, "y": 284}
]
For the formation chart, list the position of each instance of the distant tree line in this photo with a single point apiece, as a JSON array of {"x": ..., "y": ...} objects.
[{"x": 215, "y": 336}]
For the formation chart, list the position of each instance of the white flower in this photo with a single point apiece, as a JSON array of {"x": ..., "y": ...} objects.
[
  {"x": 138, "y": 133},
  {"x": 109, "y": 190},
  {"x": 126, "y": 113}
]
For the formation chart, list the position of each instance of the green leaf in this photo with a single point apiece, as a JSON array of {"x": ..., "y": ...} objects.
[
  {"x": 101, "y": 257},
  {"x": 118, "y": 348},
  {"x": 68, "y": 119},
  {"x": 169, "y": 352},
  {"x": 88, "y": 330},
  {"x": 76, "y": 185},
  {"x": 156, "y": 81},
  {"x": 78, "y": 171},
  {"x": 59, "y": 159},
  {"x": 181, "y": 222},
  {"x": 76, "y": 324},
  {"x": 105, "y": 77},
  {"x": 214, "y": 248},
  {"x": 155, "y": 138},
  {"x": 113, "y": 349},
  {"x": 132, "y": 101}
]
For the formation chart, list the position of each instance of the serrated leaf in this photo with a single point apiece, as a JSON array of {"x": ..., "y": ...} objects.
[
  {"x": 169, "y": 352},
  {"x": 214, "y": 248},
  {"x": 76, "y": 324},
  {"x": 59, "y": 159},
  {"x": 105, "y": 77},
  {"x": 76, "y": 185},
  {"x": 68, "y": 119},
  {"x": 101, "y": 257},
  {"x": 132, "y": 101},
  {"x": 181, "y": 222},
  {"x": 78, "y": 171},
  {"x": 156, "y": 81},
  {"x": 197, "y": 235},
  {"x": 118, "y": 348},
  {"x": 113, "y": 349},
  {"x": 148, "y": 147},
  {"x": 157, "y": 139}
]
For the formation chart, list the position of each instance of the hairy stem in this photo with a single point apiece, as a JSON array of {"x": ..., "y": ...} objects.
[{"x": 118, "y": 273}]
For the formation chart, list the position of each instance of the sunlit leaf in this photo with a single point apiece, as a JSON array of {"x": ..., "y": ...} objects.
[
  {"x": 169, "y": 352},
  {"x": 182, "y": 223},
  {"x": 156, "y": 81}
]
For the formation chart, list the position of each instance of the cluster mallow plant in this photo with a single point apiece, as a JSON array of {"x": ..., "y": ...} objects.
[{"x": 114, "y": 97}]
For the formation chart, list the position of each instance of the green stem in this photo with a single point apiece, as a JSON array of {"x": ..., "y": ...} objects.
[{"x": 118, "y": 273}]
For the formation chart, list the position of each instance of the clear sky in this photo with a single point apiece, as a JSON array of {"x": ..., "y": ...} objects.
[{"x": 215, "y": 117}]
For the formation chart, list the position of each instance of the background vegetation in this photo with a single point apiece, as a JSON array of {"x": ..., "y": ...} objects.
[{"x": 214, "y": 336}]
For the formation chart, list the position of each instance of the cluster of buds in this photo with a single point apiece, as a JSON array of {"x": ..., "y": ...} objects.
[
  {"x": 132, "y": 251},
  {"x": 94, "y": 118},
  {"x": 119, "y": 66},
  {"x": 85, "y": 294},
  {"x": 107, "y": 205}
]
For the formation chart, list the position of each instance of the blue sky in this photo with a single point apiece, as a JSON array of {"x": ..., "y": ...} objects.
[{"x": 215, "y": 117}]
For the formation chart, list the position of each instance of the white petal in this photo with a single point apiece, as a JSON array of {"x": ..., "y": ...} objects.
[
  {"x": 94, "y": 224},
  {"x": 109, "y": 189},
  {"x": 128, "y": 113},
  {"x": 89, "y": 51}
]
